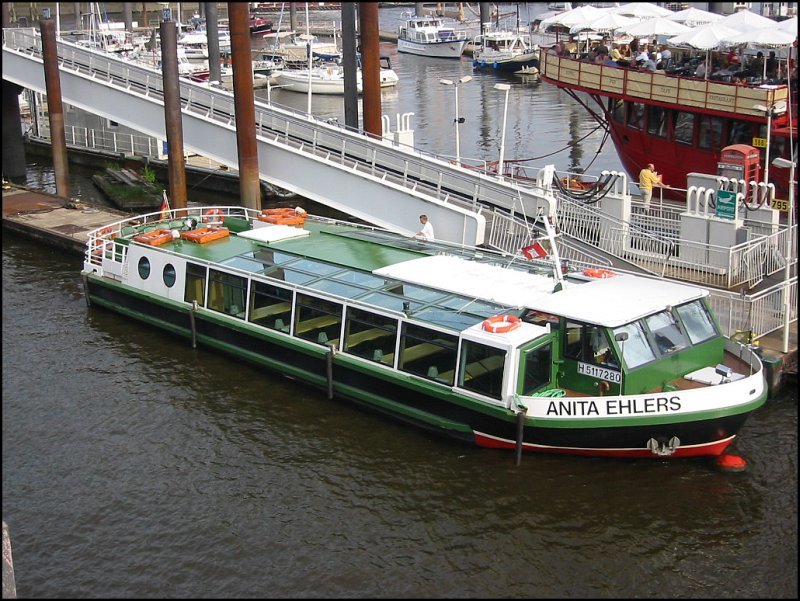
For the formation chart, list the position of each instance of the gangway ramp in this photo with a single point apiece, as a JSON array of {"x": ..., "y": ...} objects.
[{"x": 371, "y": 179}]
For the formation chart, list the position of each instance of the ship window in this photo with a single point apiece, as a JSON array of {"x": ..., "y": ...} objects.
[
  {"x": 617, "y": 108},
  {"x": 481, "y": 369},
  {"x": 169, "y": 275},
  {"x": 227, "y": 293},
  {"x": 317, "y": 319},
  {"x": 657, "y": 121},
  {"x": 270, "y": 305},
  {"x": 666, "y": 332},
  {"x": 370, "y": 335},
  {"x": 635, "y": 349},
  {"x": 710, "y": 135},
  {"x": 195, "y": 284},
  {"x": 536, "y": 365},
  {"x": 696, "y": 320},
  {"x": 426, "y": 352},
  {"x": 684, "y": 128},
  {"x": 144, "y": 268},
  {"x": 740, "y": 133},
  {"x": 636, "y": 115}
]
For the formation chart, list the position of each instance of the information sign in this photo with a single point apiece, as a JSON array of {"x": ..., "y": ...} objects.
[{"x": 726, "y": 204}]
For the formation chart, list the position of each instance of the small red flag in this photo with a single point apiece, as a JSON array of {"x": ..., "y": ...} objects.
[{"x": 534, "y": 251}]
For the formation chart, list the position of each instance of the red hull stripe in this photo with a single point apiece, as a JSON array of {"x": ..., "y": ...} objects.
[{"x": 711, "y": 448}]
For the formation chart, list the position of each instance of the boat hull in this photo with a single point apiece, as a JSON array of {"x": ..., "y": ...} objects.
[
  {"x": 425, "y": 404},
  {"x": 509, "y": 65},
  {"x": 446, "y": 49}
]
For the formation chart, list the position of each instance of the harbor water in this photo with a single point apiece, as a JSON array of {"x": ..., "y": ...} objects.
[{"x": 136, "y": 466}]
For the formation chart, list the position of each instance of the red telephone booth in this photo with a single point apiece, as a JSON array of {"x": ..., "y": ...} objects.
[{"x": 740, "y": 161}]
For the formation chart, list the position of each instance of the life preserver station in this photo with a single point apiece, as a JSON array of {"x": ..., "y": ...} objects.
[
  {"x": 155, "y": 238},
  {"x": 212, "y": 216},
  {"x": 500, "y": 324},
  {"x": 598, "y": 273}
]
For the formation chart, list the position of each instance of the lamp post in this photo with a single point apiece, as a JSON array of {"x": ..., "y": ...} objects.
[
  {"x": 503, "y": 87},
  {"x": 784, "y": 163},
  {"x": 457, "y": 120},
  {"x": 769, "y": 111}
]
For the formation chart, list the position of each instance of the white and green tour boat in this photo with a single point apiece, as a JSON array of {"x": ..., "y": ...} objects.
[{"x": 489, "y": 348}]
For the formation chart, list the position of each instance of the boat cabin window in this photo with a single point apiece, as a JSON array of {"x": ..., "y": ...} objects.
[
  {"x": 588, "y": 343},
  {"x": 657, "y": 121},
  {"x": 617, "y": 109},
  {"x": 667, "y": 334},
  {"x": 536, "y": 369},
  {"x": 481, "y": 369},
  {"x": 317, "y": 319},
  {"x": 697, "y": 321},
  {"x": 710, "y": 135},
  {"x": 635, "y": 348},
  {"x": 227, "y": 293},
  {"x": 271, "y": 306},
  {"x": 370, "y": 335},
  {"x": 684, "y": 128},
  {"x": 740, "y": 133},
  {"x": 169, "y": 275},
  {"x": 144, "y": 268},
  {"x": 195, "y": 284},
  {"x": 636, "y": 115},
  {"x": 426, "y": 352}
]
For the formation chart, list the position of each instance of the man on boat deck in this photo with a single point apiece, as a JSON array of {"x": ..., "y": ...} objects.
[
  {"x": 649, "y": 179},
  {"x": 426, "y": 233}
]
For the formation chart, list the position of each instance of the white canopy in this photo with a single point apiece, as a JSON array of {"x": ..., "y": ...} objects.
[
  {"x": 576, "y": 16},
  {"x": 789, "y": 25},
  {"x": 694, "y": 17},
  {"x": 766, "y": 37},
  {"x": 607, "y": 22},
  {"x": 705, "y": 37},
  {"x": 652, "y": 28},
  {"x": 745, "y": 20},
  {"x": 641, "y": 10}
]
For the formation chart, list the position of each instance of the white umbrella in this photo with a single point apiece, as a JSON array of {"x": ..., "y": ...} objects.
[
  {"x": 641, "y": 10},
  {"x": 576, "y": 16},
  {"x": 705, "y": 37},
  {"x": 694, "y": 17},
  {"x": 606, "y": 22},
  {"x": 744, "y": 20},
  {"x": 651, "y": 28},
  {"x": 767, "y": 37},
  {"x": 789, "y": 25}
]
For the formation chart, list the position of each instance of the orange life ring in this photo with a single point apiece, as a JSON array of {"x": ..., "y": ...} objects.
[
  {"x": 599, "y": 273},
  {"x": 212, "y": 216},
  {"x": 500, "y": 324}
]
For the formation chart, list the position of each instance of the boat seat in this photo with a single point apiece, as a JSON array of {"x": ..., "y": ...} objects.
[
  {"x": 419, "y": 351},
  {"x": 316, "y": 322},
  {"x": 127, "y": 230},
  {"x": 365, "y": 336},
  {"x": 269, "y": 311},
  {"x": 280, "y": 325}
]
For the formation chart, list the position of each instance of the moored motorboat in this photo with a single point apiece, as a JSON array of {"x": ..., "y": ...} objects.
[
  {"x": 429, "y": 36},
  {"x": 488, "y": 348},
  {"x": 504, "y": 50}
]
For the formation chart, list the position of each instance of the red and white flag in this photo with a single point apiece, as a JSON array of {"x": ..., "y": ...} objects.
[
  {"x": 164, "y": 206},
  {"x": 534, "y": 251}
]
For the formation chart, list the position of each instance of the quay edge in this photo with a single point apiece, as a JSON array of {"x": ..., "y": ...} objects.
[{"x": 61, "y": 223}]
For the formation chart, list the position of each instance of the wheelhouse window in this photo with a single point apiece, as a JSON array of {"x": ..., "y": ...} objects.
[
  {"x": 270, "y": 306},
  {"x": 684, "y": 128},
  {"x": 227, "y": 293},
  {"x": 370, "y": 335},
  {"x": 697, "y": 321},
  {"x": 536, "y": 369},
  {"x": 588, "y": 343},
  {"x": 426, "y": 352},
  {"x": 317, "y": 319},
  {"x": 195, "y": 287},
  {"x": 635, "y": 348},
  {"x": 666, "y": 332}
]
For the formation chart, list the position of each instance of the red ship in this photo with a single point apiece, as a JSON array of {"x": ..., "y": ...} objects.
[{"x": 681, "y": 123}]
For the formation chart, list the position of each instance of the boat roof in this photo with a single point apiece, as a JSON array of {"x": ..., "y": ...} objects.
[{"x": 453, "y": 286}]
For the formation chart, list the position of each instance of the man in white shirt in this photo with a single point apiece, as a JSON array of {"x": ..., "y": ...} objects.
[{"x": 426, "y": 232}]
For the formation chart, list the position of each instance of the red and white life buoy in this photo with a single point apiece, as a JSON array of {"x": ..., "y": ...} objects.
[
  {"x": 500, "y": 324},
  {"x": 212, "y": 216}
]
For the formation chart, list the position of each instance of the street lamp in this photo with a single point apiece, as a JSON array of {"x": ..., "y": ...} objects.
[
  {"x": 784, "y": 163},
  {"x": 457, "y": 120},
  {"x": 503, "y": 87},
  {"x": 770, "y": 111}
]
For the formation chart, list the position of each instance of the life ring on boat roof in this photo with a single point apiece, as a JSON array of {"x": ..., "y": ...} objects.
[
  {"x": 500, "y": 324},
  {"x": 212, "y": 216},
  {"x": 598, "y": 273}
]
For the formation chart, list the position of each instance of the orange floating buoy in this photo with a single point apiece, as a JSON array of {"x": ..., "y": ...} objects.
[
  {"x": 500, "y": 324},
  {"x": 731, "y": 463},
  {"x": 599, "y": 273}
]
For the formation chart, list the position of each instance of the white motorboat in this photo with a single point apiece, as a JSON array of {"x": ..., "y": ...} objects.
[{"x": 430, "y": 36}]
